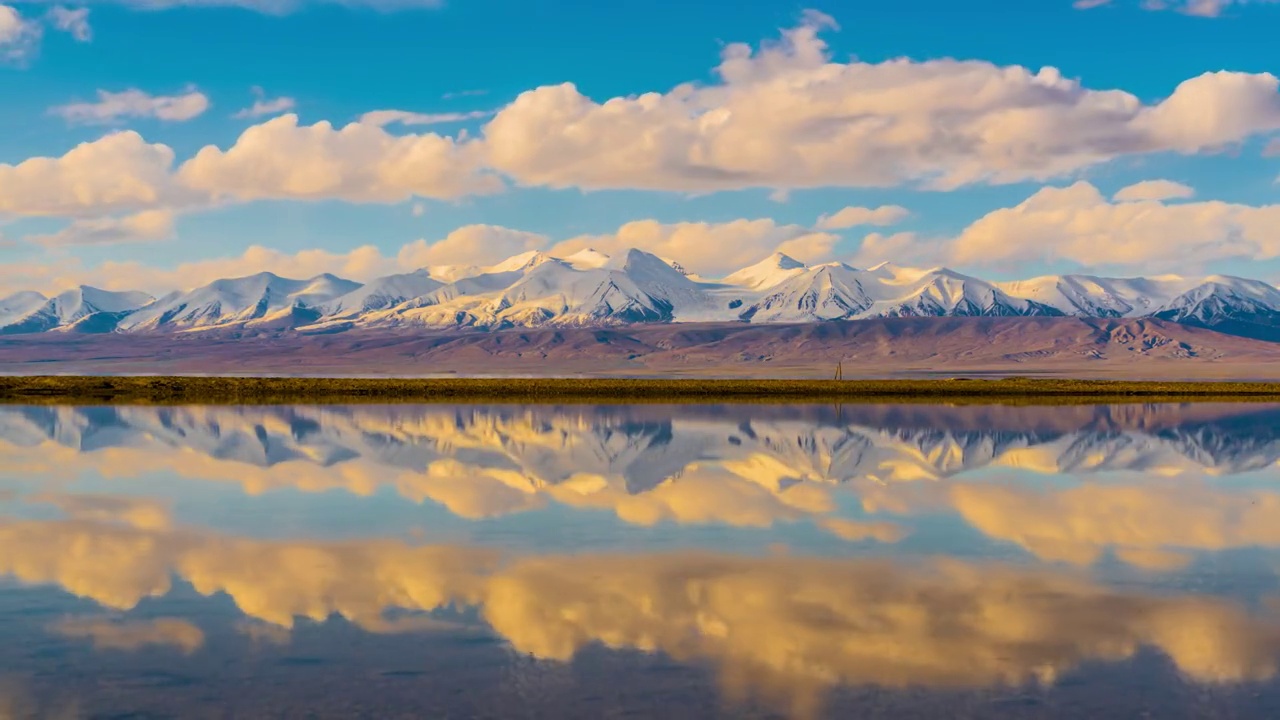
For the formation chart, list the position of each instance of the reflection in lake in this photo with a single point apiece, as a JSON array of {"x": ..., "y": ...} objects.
[{"x": 657, "y": 561}]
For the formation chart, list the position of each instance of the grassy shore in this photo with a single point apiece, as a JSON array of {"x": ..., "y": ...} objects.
[{"x": 234, "y": 390}]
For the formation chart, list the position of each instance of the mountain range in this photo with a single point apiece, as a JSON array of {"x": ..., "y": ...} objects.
[{"x": 590, "y": 289}]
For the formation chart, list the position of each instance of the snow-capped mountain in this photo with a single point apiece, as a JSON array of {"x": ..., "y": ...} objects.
[
  {"x": 536, "y": 289},
  {"x": 383, "y": 293},
  {"x": 1244, "y": 307},
  {"x": 770, "y": 272},
  {"x": 83, "y": 308},
  {"x": 260, "y": 298},
  {"x": 1091, "y": 296},
  {"x": 591, "y": 288}
]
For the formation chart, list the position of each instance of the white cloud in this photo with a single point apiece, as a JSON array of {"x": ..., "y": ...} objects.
[
  {"x": 382, "y": 118},
  {"x": 1198, "y": 8},
  {"x": 1272, "y": 149},
  {"x": 854, "y": 216},
  {"x": 133, "y": 103},
  {"x": 706, "y": 248},
  {"x": 787, "y": 115},
  {"x": 1154, "y": 190},
  {"x": 145, "y": 226},
  {"x": 74, "y": 22},
  {"x": 463, "y": 93},
  {"x": 1078, "y": 224},
  {"x": 470, "y": 245},
  {"x": 118, "y": 172},
  {"x": 262, "y": 105},
  {"x": 362, "y": 263},
  {"x": 280, "y": 159},
  {"x": 19, "y": 37},
  {"x": 709, "y": 248},
  {"x": 277, "y": 7}
]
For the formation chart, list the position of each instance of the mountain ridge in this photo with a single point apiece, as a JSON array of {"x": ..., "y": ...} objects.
[{"x": 591, "y": 289}]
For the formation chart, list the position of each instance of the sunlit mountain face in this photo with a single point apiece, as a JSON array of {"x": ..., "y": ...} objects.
[{"x": 652, "y": 561}]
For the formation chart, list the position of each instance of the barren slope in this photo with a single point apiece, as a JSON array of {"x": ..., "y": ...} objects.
[{"x": 1088, "y": 347}]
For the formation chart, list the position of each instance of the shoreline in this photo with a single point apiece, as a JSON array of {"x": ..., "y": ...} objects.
[{"x": 63, "y": 389}]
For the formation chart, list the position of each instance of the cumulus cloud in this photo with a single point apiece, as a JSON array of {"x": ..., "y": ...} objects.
[
  {"x": 280, "y": 159},
  {"x": 119, "y": 171},
  {"x": 470, "y": 245},
  {"x": 709, "y": 248},
  {"x": 278, "y": 7},
  {"x": 144, "y": 226},
  {"x": 1154, "y": 190},
  {"x": 1198, "y": 8},
  {"x": 263, "y": 105},
  {"x": 19, "y": 36},
  {"x": 784, "y": 116},
  {"x": 382, "y": 118},
  {"x": 74, "y": 22},
  {"x": 362, "y": 263},
  {"x": 788, "y": 115},
  {"x": 133, "y": 103},
  {"x": 1078, "y": 224},
  {"x": 277, "y": 159},
  {"x": 854, "y": 216}
]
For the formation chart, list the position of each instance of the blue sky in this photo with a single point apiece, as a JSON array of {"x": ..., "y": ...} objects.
[{"x": 337, "y": 61}]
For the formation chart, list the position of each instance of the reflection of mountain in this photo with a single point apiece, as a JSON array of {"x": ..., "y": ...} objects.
[
  {"x": 640, "y": 448},
  {"x": 785, "y": 627}
]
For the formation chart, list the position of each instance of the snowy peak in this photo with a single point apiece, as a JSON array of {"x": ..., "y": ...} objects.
[
  {"x": 102, "y": 308},
  {"x": 1237, "y": 305},
  {"x": 587, "y": 259},
  {"x": 770, "y": 272},
  {"x": 591, "y": 288},
  {"x": 19, "y": 305},
  {"x": 826, "y": 292},
  {"x": 942, "y": 292},
  {"x": 1091, "y": 296},
  {"x": 235, "y": 301},
  {"x": 383, "y": 293}
]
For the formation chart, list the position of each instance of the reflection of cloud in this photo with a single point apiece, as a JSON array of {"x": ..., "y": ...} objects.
[
  {"x": 700, "y": 496},
  {"x": 108, "y": 634},
  {"x": 854, "y": 530},
  {"x": 788, "y": 627},
  {"x": 142, "y": 513},
  {"x": 1144, "y": 524},
  {"x": 275, "y": 582},
  {"x": 17, "y": 703},
  {"x": 261, "y": 633}
]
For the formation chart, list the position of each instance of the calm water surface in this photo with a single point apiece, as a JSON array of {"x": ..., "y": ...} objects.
[{"x": 734, "y": 561}]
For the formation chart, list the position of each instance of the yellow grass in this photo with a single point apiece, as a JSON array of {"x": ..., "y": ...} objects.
[{"x": 237, "y": 390}]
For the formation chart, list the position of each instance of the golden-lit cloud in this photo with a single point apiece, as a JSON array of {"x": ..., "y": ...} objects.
[
  {"x": 1145, "y": 525},
  {"x": 1078, "y": 224},
  {"x": 785, "y": 628}
]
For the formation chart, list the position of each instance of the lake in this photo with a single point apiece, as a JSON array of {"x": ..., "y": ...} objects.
[{"x": 640, "y": 561}]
